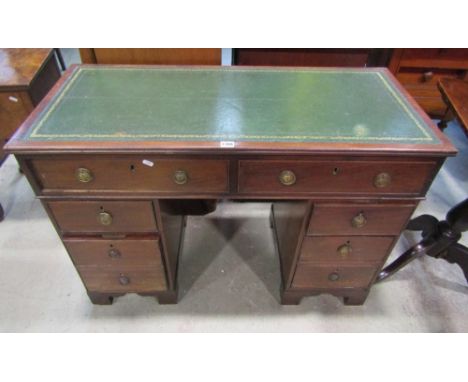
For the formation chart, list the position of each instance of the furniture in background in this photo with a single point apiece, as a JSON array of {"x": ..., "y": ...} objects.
[
  {"x": 26, "y": 75},
  {"x": 440, "y": 238},
  {"x": 151, "y": 56},
  {"x": 455, "y": 95},
  {"x": 343, "y": 180},
  {"x": 310, "y": 57},
  {"x": 419, "y": 70}
]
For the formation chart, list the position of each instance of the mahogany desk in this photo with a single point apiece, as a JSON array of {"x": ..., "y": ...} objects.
[{"x": 119, "y": 155}]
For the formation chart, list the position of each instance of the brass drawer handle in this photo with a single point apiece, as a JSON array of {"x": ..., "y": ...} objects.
[
  {"x": 180, "y": 177},
  {"x": 124, "y": 280},
  {"x": 359, "y": 220},
  {"x": 114, "y": 253},
  {"x": 84, "y": 175},
  {"x": 105, "y": 218},
  {"x": 334, "y": 276},
  {"x": 345, "y": 249},
  {"x": 287, "y": 178},
  {"x": 382, "y": 180}
]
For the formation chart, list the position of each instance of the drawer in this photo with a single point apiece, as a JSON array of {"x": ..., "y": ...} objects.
[
  {"x": 144, "y": 174},
  {"x": 116, "y": 254},
  {"x": 103, "y": 216},
  {"x": 359, "y": 219},
  {"x": 424, "y": 91},
  {"x": 327, "y": 276},
  {"x": 427, "y": 77},
  {"x": 124, "y": 280},
  {"x": 345, "y": 249},
  {"x": 340, "y": 177},
  {"x": 435, "y": 106}
]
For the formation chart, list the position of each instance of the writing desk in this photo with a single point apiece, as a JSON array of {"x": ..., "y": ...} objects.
[{"x": 119, "y": 155}]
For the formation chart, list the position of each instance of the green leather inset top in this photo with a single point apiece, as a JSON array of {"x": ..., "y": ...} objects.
[{"x": 230, "y": 104}]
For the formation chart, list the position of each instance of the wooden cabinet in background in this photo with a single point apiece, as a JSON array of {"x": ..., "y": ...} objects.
[
  {"x": 151, "y": 56},
  {"x": 419, "y": 71},
  {"x": 26, "y": 75},
  {"x": 311, "y": 57}
]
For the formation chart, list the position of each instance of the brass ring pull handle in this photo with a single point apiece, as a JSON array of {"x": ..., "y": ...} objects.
[
  {"x": 124, "y": 280},
  {"x": 345, "y": 250},
  {"x": 105, "y": 218},
  {"x": 287, "y": 178},
  {"x": 334, "y": 276},
  {"x": 83, "y": 175},
  {"x": 180, "y": 177},
  {"x": 359, "y": 220},
  {"x": 114, "y": 253},
  {"x": 382, "y": 180}
]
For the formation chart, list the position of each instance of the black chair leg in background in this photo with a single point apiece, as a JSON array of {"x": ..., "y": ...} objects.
[{"x": 439, "y": 240}]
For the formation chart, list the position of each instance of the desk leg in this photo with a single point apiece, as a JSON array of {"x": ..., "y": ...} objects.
[
  {"x": 448, "y": 116},
  {"x": 98, "y": 298},
  {"x": 356, "y": 298},
  {"x": 167, "y": 298},
  {"x": 290, "y": 298}
]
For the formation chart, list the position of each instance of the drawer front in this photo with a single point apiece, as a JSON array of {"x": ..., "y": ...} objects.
[
  {"x": 115, "y": 253},
  {"x": 435, "y": 106},
  {"x": 426, "y": 77},
  {"x": 345, "y": 249},
  {"x": 132, "y": 174},
  {"x": 103, "y": 216},
  {"x": 359, "y": 219},
  {"x": 327, "y": 276},
  {"x": 124, "y": 280},
  {"x": 340, "y": 177}
]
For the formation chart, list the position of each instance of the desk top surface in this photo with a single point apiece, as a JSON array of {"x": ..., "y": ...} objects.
[{"x": 103, "y": 104}]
